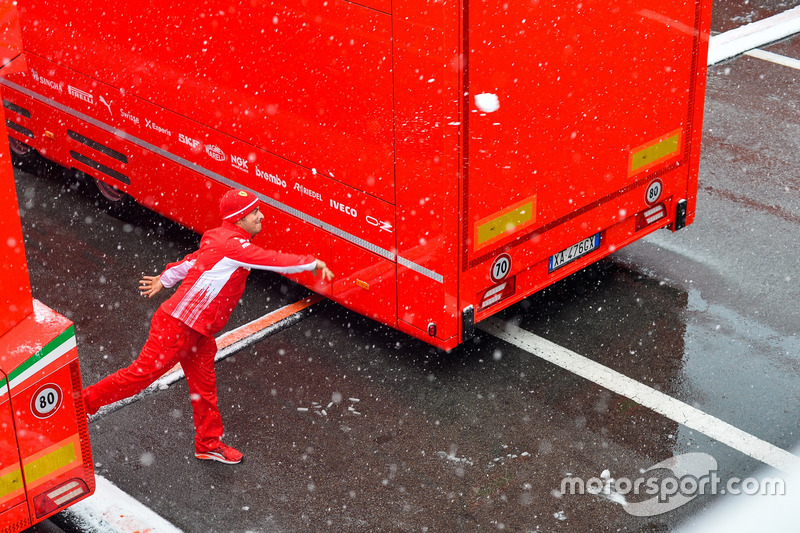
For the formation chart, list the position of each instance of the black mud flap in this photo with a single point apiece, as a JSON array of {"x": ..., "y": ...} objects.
[
  {"x": 467, "y": 323},
  {"x": 680, "y": 215}
]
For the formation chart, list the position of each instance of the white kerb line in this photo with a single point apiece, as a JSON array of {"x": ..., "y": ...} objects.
[
  {"x": 659, "y": 402},
  {"x": 774, "y": 58},
  {"x": 750, "y": 36}
]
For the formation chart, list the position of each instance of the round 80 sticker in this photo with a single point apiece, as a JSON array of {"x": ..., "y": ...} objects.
[
  {"x": 46, "y": 401},
  {"x": 654, "y": 191}
]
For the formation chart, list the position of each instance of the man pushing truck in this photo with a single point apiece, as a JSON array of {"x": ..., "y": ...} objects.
[{"x": 182, "y": 330}]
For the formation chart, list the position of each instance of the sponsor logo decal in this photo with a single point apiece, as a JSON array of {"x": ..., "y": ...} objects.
[
  {"x": 46, "y": 81},
  {"x": 80, "y": 95},
  {"x": 215, "y": 152},
  {"x": 307, "y": 192},
  {"x": 344, "y": 208},
  {"x": 239, "y": 163},
  {"x": 155, "y": 127},
  {"x": 128, "y": 116},
  {"x": 194, "y": 144},
  {"x": 380, "y": 224},
  {"x": 107, "y": 104},
  {"x": 272, "y": 178}
]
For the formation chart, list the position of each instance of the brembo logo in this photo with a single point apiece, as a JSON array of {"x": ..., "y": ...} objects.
[{"x": 272, "y": 178}]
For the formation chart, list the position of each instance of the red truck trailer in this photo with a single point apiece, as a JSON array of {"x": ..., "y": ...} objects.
[
  {"x": 45, "y": 454},
  {"x": 446, "y": 158}
]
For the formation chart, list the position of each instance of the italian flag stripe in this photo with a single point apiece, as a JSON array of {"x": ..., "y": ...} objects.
[{"x": 49, "y": 353}]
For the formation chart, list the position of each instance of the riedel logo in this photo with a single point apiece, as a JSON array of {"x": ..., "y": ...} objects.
[{"x": 669, "y": 485}]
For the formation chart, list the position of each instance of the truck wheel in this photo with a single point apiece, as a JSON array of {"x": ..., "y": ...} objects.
[
  {"x": 22, "y": 155},
  {"x": 116, "y": 202}
]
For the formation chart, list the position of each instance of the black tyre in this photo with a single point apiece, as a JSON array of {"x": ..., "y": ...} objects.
[
  {"x": 22, "y": 155},
  {"x": 116, "y": 202}
]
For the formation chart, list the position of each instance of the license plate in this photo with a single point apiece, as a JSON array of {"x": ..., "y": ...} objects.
[{"x": 575, "y": 251}]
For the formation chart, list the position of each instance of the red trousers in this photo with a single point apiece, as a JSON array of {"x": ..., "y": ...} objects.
[{"x": 170, "y": 342}]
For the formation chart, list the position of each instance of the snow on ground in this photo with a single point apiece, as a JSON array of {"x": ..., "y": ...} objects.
[{"x": 110, "y": 510}]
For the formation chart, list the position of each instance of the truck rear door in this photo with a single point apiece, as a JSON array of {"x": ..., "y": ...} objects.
[{"x": 573, "y": 110}]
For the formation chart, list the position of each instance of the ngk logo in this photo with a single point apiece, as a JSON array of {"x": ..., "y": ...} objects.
[{"x": 239, "y": 162}]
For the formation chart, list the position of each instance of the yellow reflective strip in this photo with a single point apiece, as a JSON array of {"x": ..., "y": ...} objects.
[
  {"x": 50, "y": 463},
  {"x": 656, "y": 152},
  {"x": 10, "y": 482},
  {"x": 505, "y": 223}
]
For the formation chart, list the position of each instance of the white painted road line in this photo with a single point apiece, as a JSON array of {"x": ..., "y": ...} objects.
[
  {"x": 110, "y": 510},
  {"x": 227, "y": 344},
  {"x": 659, "y": 402},
  {"x": 775, "y": 58},
  {"x": 751, "y": 36}
]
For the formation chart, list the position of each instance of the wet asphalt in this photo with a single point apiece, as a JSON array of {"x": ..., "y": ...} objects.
[{"x": 350, "y": 426}]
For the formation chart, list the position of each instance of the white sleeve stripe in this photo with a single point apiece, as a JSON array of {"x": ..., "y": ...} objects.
[
  {"x": 176, "y": 273},
  {"x": 289, "y": 269}
]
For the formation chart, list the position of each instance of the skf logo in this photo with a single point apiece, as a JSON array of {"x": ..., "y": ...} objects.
[
  {"x": 194, "y": 144},
  {"x": 215, "y": 152}
]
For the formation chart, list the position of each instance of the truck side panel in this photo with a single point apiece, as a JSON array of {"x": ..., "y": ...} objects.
[
  {"x": 15, "y": 302},
  {"x": 309, "y": 82},
  {"x": 13, "y": 507}
]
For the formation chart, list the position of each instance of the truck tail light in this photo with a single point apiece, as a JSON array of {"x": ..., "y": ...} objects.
[
  {"x": 499, "y": 292},
  {"x": 59, "y": 496},
  {"x": 651, "y": 215}
]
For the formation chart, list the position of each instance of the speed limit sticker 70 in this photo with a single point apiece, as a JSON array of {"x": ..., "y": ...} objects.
[
  {"x": 501, "y": 266},
  {"x": 46, "y": 401}
]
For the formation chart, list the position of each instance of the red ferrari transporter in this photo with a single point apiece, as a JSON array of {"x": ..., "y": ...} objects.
[
  {"x": 45, "y": 458},
  {"x": 446, "y": 158}
]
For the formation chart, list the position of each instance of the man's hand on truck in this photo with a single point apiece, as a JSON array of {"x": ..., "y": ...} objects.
[{"x": 322, "y": 267}]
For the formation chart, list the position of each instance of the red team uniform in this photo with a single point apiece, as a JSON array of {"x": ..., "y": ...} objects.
[{"x": 183, "y": 328}]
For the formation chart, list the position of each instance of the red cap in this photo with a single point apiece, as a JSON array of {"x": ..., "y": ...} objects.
[{"x": 236, "y": 204}]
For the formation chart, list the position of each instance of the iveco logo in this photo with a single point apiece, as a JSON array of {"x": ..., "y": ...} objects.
[{"x": 215, "y": 152}]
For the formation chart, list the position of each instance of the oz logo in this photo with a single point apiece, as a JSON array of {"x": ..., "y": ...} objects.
[{"x": 46, "y": 401}]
